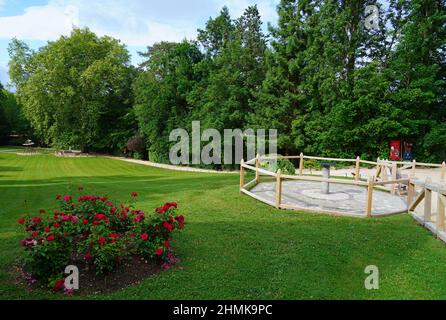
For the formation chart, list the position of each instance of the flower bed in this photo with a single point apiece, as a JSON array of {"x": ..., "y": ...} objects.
[{"x": 101, "y": 233}]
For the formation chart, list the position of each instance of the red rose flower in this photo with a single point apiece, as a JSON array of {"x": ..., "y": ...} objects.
[
  {"x": 56, "y": 224},
  {"x": 50, "y": 238},
  {"x": 85, "y": 221},
  {"x": 144, "y": 236},
  {"x": 34, "y": 234},
  {"x": 134, "y": 194},
  {"x": 166, "y": 244},
  {"x": 168, "y": 226},
  {"x": 59, "y": 285},
  {"x": 159, "y": 251},
  {"x": 66, "y": 198},
  {"x": 46, "y": 229},
  {"x": 21, "y": 220},
  {"x": 88, "y": 257},
  {"x": 101, "y": 240}
]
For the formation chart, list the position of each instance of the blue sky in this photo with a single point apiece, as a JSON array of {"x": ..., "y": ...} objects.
[{"x": 138, "y": 23}]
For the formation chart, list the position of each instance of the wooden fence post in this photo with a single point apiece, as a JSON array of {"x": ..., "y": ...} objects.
[
  {"x": 357, "y": 168},
  {"x": 440, "y": 213},
  {"x": 278, "y": 188},
  {"x": 301, "y": 163},
  {"x": 394, "y": 176},
  {"x": 377, "y": 163},
  {"x": 242, "y": 175},
  {"x": 427, "y": 203},
  {"x": 443, "y": 171},
  {"x": 414, "y": 164},
  {"x": 370, "y": 196},
  {"x": 257, "y": 168},
  {"x": 410, "y": 194}
]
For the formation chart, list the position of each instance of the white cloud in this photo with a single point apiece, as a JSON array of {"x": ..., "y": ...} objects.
[
  {"x": 57, "y": 18},
  {"x": 135, "y": 22},
  {"x": 39, "y": 23}
]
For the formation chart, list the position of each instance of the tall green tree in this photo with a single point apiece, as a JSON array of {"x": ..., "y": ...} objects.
[
  {"x": 417, "y": 72},
  {"x": 4, "y": 124},
  {"x": 161, "y": 90},
  {"x": 278, "y": 102},
  {"x": 74, "y": 90}
]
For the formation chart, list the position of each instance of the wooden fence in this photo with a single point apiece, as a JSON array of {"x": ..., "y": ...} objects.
[{"x": 387, "y": 177}]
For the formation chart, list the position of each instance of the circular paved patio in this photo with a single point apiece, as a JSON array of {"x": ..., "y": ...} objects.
[{"x": 342, "y": 199}]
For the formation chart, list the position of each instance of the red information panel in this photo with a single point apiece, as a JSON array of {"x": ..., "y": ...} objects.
[{"x": 395, "y": 149}]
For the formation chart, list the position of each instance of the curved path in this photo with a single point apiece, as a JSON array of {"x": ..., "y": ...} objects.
[{"x": 170, "y": 166}]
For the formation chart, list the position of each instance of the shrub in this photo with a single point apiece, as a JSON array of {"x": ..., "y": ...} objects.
[
  {"x": 285, "y": 165},
  {"x": 136, "y": 144},
  {"x": 99, "y": 231}
]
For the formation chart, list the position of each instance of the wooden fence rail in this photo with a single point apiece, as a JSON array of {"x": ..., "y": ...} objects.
[
  {"x": 418, "y": 191},
  {"x": 386, "y": 170}
]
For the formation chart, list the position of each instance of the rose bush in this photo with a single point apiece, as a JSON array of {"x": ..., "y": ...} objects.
[{"x": 99, "y": 231}]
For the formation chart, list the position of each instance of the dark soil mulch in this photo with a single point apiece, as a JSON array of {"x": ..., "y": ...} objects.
[{"x": 132, "y": 271}]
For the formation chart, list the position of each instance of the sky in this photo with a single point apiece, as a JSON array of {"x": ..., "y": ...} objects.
[{"x": 137, "y": 23}]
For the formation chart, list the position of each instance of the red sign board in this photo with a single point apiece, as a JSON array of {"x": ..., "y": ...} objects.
[{"x": 395, "y": 149}]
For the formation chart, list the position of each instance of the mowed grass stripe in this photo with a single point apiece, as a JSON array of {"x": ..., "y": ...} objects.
[{"x": 233, "y": 246}]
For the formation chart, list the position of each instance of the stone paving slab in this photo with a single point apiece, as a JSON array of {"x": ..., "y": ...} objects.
[{"x": 348, "y": 199}]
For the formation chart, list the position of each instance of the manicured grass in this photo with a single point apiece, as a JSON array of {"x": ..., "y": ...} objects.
[{"x": 233, "y": 247}]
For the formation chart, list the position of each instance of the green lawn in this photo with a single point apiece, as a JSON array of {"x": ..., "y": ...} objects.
[{"x": 233, "y": 247}]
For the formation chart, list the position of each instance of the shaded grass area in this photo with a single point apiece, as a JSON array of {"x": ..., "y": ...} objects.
[{"x": 233, "y": 247}]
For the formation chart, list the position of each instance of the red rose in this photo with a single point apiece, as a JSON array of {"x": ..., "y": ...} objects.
[
  {"x": 159, "y": 251},
  {"x": 144, "y": 236},
  {"x": 168, "y": 226},
  {"x": 134, "y": 194},
  {"x": 46, "y": 229},
  {"x": 95, "y": 223},
  {"x": 166, "y": 244},
  {"x": 160, "y": 210},
  {"x": 67, "y": 198},
  {"x": 50, "y": 237},
  {"x": 88, "y": 257},
  {"x": 101, "y": 240},
  {"x": 85, "y": 221},
  {"x": 100, "y": 216},
  {"x": 56, "y": 224},
  {"x": 59, "y": 285},
  {"x": 21, "y": 221},
  {"x": 34, "y": 234},
  {"x": 180, "y": 219}
]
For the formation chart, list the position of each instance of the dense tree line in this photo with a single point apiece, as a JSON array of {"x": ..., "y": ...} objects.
[{"x": 328, "y": 83}]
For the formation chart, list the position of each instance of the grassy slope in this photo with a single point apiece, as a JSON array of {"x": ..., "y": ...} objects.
[{"x": 232, "y": 246}]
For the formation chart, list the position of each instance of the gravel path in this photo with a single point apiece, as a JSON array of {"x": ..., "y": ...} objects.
[{"x": 170, "y": 166}]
